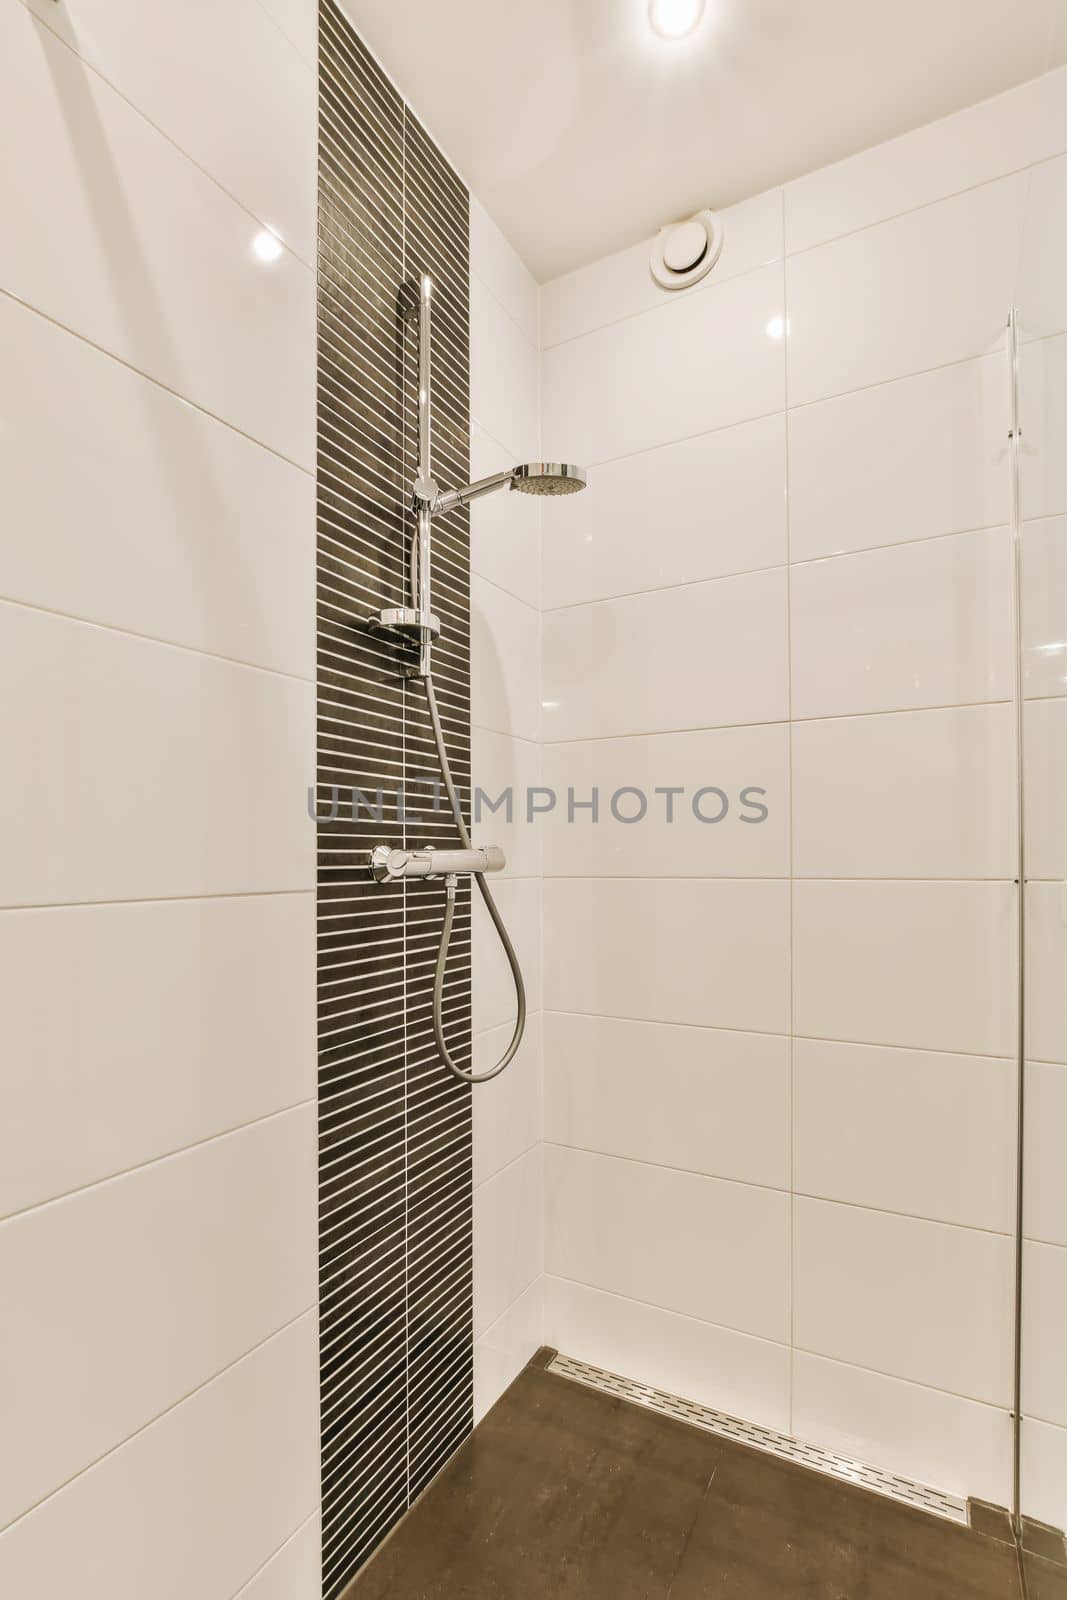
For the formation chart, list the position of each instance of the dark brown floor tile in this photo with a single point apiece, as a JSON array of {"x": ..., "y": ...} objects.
[
  {"x": 564, "y": 1493},
  {"x": 1041, "y": 1540},
  {"x": 560, "y": 1492},
  {"x": 1045, "y": 1580},
  {"x": 770, "y": 1528},
  {"x": 991, "y": 1520}
]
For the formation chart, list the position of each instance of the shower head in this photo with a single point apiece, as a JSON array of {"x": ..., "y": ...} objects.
[
  {"x": 532, "y": 477},
  {"x": 548, "y": 477}
]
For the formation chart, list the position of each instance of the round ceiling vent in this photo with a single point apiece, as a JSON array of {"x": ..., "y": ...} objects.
[{"x": 685, "y": 252}]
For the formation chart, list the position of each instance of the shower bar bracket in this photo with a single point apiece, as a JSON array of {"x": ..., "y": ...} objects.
[{"x": 389, "y": 865}]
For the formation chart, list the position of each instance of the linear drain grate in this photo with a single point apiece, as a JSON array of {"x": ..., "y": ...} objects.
[{"x": 775, "y": 1444}]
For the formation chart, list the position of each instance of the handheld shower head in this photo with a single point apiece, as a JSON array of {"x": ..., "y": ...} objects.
[{"x": 548, "y": 477}]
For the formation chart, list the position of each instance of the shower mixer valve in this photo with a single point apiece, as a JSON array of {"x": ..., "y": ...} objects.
[{"x": 389, "y": 865}]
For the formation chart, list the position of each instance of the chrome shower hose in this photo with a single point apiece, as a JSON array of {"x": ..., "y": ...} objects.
[{"x": 446, "y": 931}]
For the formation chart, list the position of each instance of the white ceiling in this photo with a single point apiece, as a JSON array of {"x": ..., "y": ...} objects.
[{"x": 581, "y": 131}]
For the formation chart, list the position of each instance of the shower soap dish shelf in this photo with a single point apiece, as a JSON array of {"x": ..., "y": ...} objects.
[{"x": 407, "y": 622}]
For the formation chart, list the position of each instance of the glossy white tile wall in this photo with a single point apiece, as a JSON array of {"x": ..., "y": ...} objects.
[
  {"x": 506, "y": 761},
  {"x": 792, "y": 569},
  {"x": 238, "y": 1461},
  {"x": 1043, "y": 392},
  {"x": 167, "y": 279},
  {"x": 157, "y": 628}
]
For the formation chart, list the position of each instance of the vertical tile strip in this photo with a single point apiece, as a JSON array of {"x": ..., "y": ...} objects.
[{"x": 395, "y": 1165}]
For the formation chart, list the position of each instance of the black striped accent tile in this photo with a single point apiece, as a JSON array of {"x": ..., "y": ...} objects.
[{"x": 395, "y": 1164}]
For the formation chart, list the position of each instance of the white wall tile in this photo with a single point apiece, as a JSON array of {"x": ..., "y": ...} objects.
[
  {"x": 504, "y": 376},
  {"x": 505, "y": 1348},
  {"x": 694, "y": 1098},
  {"x": 144, "y": 771},
  {"x": 927, "y": 288},
  {"x": 732, "y": 1372},
  {"x": 1046, "y": 963},
  {"x": 1042, "y": 296},
  {"x": 919, "y": 794},
  {"x": 1044, "y": 1486},
  {"x": 984, "y": 141},
  {"x": 1044, "y": 1321},
  {"x": 505, "y": 662},
  {"x": 701, "y": 656},
  {"x": 166, "y": 275},
  {"x": 910, "y": 1299},
  {"x": 1043, "y": 418},
  {"x": 922, "y": 456},
  {"x": 705, "y": 951},
  {"x": 698, "y": 509},
  {"x": 216, "y": 1483},
  {"x": 519, "y": 903},
  {"x": 925, "y": 965},
  {"x": 179, "y": 1021},
  {"x": 941, "y": 1439},
  {"x": 621, "y": 285},
  {"x": 713, "y": 1250},
  {"x": 503, "y": 766},
  {"x": 1045, "y": 755},
  {"x": 927, "y": 624},
  {"x": 508, "y": 1110},
  {"x": 299, "y": 22},
  {"x": 907, "y": 1131},
  {"x": 751, "y": 840},
  {"x": 295, "y": 1573},
  {"x": 225, "y": 86},
  {"x": 145, "y": 513},
  {"x": 1044, "y": 606},
  {"x": 504, "y": 273},
  {"x": 175, "y": 1270},
  {"x": 505, "y": 527},
  {"x": 695, "y": 363},
  {"x": 1046, "y": 1140},
  {"x": 508, "y": 1237}
]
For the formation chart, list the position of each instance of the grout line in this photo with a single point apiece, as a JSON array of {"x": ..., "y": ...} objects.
[
  {"x": 759, "y": 877},
  {"x": 154, "y": 1161},
  {"x": 767, "y": 1033},
  {"x": 98, "y": 72},
  {"x": 502, "y": 305},
  {"x": 499, "y": 587},
  {"x": 786, "y": 254},
  {"x": 499, "y": 1171},
  {"x": 926, "y": 205},
  {"x": 151, "y": 638},
  {"x": 789, "y": 565},
  {"x": 157, "y": 383},
  {"x": 786, "y": 1190},
  {"x": 791, "y": 802},
  {"x": 246, "y": 1355},
  {"x": 706, "y": 286},
  {"x": 312, "y": 66},
  {"x": 159, "y": 899},
  {"x": 780, "y": 722},
  {"x": 538, "y": 1277},
  {"x": 759, "y": 1338},
  {"x": 505, "y": 449},
  {"x": 296, "y": 1534}
]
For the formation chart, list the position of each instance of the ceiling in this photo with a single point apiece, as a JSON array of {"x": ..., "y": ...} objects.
[{"x": 581, "y": 131}]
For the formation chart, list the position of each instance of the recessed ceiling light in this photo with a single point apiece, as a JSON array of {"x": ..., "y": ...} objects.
[{"x": 673, "y": 19}]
